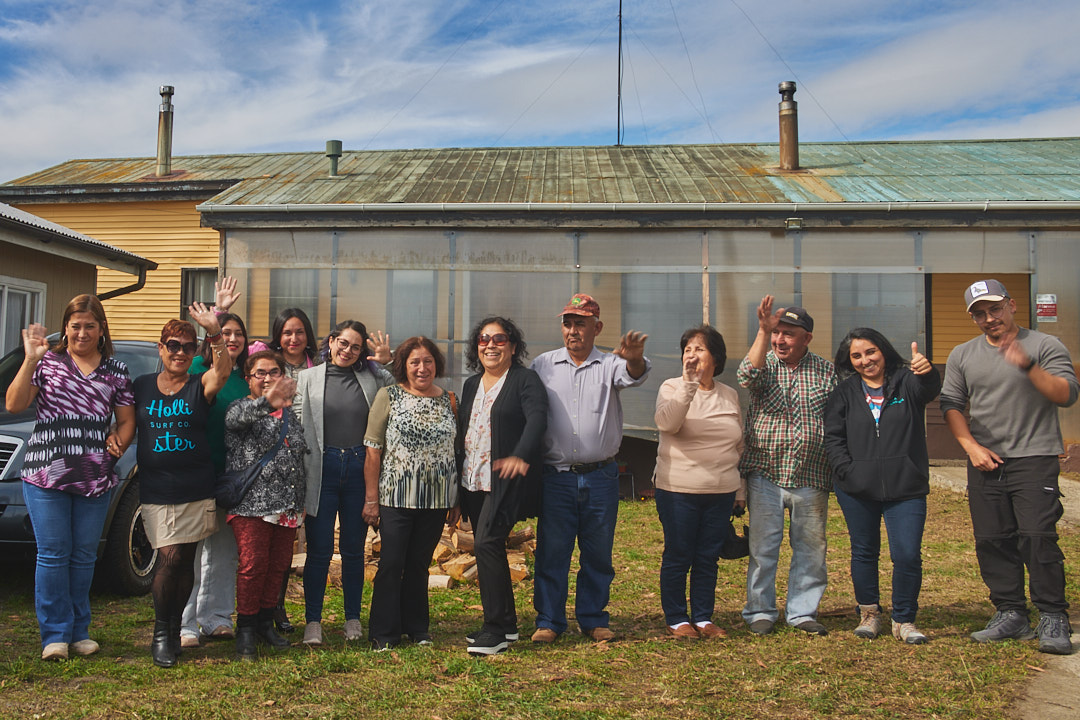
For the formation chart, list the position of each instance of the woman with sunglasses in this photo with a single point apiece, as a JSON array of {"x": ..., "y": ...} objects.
[
  {"x": 332, "y": 401},
  {"x": 267, "y": 517},
  {"x": 78, "y": 385},
  {"x": 176, "y": 471},
  {"x": 502, "y": 419},
  {"x": 208, "y": 611}
]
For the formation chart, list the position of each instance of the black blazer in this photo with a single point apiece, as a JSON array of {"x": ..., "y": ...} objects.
[{"x": 518, "y": 423}]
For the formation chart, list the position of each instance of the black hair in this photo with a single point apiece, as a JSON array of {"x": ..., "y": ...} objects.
[
  {"x": 714, "y": 342},
  {"x": 517, "y": 339},
  {"x": 356, "y": 326},
  {"x": 842, "y": 362},
  {"x": 206, "y": 352},
  {"x": 312, "y": 349}
]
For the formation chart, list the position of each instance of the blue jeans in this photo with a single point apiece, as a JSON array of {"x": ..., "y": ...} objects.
[
  {"x": 904, "y": 521},
  {"x": 695, "y": 527},
  {"x": 213, "y": 597},
  {"x": 340, "y": 497},
  {"x": 807, "y": 578},
  {"x": 582, "y": 508},
  {"x": 67, "y": 528}
]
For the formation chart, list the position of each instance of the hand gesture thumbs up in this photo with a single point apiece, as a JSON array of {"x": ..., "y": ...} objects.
[{"x": 919, "y": 364}]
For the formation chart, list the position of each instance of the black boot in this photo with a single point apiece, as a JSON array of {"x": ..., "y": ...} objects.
[
  {"x": 281, "y": 618},
  {"x": 161, "y": 649},
  {"x": 246, "y": 637},
  {"x": 174, "y": 636},
  {"x": 266, "y": 632}
]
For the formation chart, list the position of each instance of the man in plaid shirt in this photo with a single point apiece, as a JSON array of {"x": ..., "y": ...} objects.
[{"x": 785, "y": 466}]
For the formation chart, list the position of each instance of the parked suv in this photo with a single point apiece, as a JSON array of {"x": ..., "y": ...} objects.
[{"x": 126, "y": 561}]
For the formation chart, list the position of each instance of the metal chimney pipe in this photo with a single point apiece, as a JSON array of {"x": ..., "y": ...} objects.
[
  {"x": 333, "y": 151},
  {"x": 164, "y": 132},
  {"x": 789, "y": 127}
]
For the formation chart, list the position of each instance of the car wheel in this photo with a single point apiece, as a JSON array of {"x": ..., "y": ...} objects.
[{"x": 129, "y": 561}]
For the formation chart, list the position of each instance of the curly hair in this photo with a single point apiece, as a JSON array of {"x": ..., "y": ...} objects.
[
  {"x": 405, "y": 349},
  {"x": 517, "y": 339}
]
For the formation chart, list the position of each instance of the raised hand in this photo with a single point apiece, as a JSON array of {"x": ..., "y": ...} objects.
[
  {"x": 1014, "y": 353},
  {"x": 225, "y": 295},
  {"x": 206, "y": 318},
  {"x": 379, "y": 345},
  {"x": 919, "y": 364},
  {"x": 34, "y": 342},
  {"x": 632, "y": 346},
  {"x": 280, "y": 394},
  {"x": 767, "y": 319},
  {"x": 691, "y": 370}
]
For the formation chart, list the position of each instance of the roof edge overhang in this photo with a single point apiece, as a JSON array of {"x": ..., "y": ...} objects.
[
  {"x": 131, "y": 192},
  {"x": 46, "y": 241}
]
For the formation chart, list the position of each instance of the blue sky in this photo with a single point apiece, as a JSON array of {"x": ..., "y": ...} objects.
[{"x": 80, "y": 80}]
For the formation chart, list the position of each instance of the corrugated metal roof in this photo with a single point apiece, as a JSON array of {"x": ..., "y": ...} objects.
[
  {"x": 107, "y": 252},
  {"x": 924, "y": 171}
]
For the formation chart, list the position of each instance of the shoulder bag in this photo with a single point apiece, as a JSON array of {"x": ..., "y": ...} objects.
[{"x": 233, "y": 485}]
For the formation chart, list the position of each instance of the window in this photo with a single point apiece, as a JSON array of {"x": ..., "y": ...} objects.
[
  {"x": 21, "y": 302},
  {"x": 197, "y": 285},
  {"x": 295, "y": 289}
]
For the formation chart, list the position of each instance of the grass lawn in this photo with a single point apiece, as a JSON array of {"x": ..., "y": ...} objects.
[{"x": 642, "y": 674}]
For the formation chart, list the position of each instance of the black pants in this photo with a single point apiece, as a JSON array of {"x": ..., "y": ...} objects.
[
  {"x": 493, "y": 570},
  {"x": 1014, "y": 513},
  {"x": 399, "y": 593}
]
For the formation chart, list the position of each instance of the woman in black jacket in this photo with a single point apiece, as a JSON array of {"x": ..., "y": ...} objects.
[
  {"x": 502, "y": 420},
  {"x": 875, "y": 437}
]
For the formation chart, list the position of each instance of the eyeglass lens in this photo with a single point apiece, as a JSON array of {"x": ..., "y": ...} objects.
[
  {"x": 260, "y": 374},
  {"x": 175, "y": 346},
  {"x": 344, "y": 346},
  {"x": 499, "y": 339}
]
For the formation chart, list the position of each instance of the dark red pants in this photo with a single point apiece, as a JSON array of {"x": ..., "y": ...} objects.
[{"x": 265, "y": 554}]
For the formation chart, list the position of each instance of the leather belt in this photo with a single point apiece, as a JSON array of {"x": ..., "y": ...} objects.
[{"x": 586, "y": 468}]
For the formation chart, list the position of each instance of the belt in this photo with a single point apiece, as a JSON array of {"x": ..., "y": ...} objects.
[{"x": 586, "y": 468}]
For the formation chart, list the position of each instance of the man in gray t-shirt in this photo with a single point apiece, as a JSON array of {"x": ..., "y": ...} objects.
[{"x": 1014, "y": 379}]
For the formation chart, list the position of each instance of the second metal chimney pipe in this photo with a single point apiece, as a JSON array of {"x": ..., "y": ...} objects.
[
  {"x": 333, "y": 151},
  {"x": 789, "y": 127},
  {"x": 164, "y": 132}
]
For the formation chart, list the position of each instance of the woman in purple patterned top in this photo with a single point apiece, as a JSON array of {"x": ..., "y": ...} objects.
[{"x": 68, "y": 469}]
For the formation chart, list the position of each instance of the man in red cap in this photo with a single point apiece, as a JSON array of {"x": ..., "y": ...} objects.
[{"x": 581, "y": 478}]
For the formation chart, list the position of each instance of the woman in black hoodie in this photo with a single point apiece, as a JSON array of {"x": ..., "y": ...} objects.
[{"x": 875, "y": 437}]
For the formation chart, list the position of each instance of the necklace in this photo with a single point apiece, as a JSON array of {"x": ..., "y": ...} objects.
[{"x": 163, "y": 385}]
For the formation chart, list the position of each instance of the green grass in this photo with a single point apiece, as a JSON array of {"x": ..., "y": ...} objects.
[{"x": 643, "y": 674}]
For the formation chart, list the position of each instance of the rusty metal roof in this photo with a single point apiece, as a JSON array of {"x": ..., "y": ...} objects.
[
  {"x": 862, "y": 172},
  {"x": 107, "y": 255}
]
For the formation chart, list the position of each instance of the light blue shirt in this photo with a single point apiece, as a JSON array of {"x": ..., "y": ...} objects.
[{"x": 585, "y": 417}]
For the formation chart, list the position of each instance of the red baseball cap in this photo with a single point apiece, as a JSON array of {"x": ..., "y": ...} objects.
[{"x": 582, "y": 304}]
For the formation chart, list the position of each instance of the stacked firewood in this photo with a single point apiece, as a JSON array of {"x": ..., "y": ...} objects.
[{"x": 453, "y": 561}]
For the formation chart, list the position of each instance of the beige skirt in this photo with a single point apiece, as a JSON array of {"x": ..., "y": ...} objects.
[{"x": 179, "y": 524}]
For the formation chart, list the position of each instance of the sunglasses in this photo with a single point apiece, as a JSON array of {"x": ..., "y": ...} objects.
[
  {"x": 499, "y": 339},
  {"x": 175, "y": 346},
  {"x": 263, "y": 374}
]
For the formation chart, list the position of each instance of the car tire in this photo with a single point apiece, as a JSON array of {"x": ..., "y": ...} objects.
[{"x": 129, "y": 561}]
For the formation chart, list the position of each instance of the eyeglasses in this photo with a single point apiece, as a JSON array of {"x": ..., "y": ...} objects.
[
  {"x": 344, "y": 346},
  {"x": 499, "y": 339},
  {"x": 175, "y": 346},
  {"x": 994, "y": 311},
  {"x": 261, "y": 374}
]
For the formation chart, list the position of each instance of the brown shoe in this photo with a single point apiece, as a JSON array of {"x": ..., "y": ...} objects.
[
  {"x": 544, "y": 635},
  {"x": 189, "y": 641},
  {"x": 598, "y": 634},
  {"x": 685, "y": 631},
  {"x": 709, "y": 631}
]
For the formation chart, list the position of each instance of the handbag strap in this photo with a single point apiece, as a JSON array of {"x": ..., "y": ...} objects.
[{"x": 280, "y": 441}]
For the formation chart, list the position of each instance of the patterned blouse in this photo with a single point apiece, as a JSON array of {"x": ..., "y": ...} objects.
[
  {"x": 416, "y": 435},
  {"x": 67, "y": 448},
  {"x": 252, "y": 428},
  {"x": 476, "y": 473}
]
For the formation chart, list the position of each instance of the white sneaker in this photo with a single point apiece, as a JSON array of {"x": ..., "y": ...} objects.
[
  {"x": 85, "y": 647},
  {"x": 313, "y": 634},
  {"x": 55, "y": 651},
  {"x": 353, "y": 630},
  {"x": 908, "y": 633}
]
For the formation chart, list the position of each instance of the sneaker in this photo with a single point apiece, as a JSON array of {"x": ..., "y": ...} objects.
[
  {"x": 1005, "y": 625},
  {"x": 598, "y": 634},
  {"x": 812, "y": 627},
  {"x": 55, "y": 651},
  {"x": 488, "y": 643},
  {"x": 683, "y": 631},
  {"x": 908, "y": 633},
  {"x": 1054, "y": 634},
  {"x": 353, "y": 630},
  {"x": 869, "y": 626},
  {"x": 85, "y": 647},
  {"x": 189, "y": 641},
  {"x": 313, "y": 634},
  {"x": 762, "y": 626},
  {"x": 382, "y": 645},
  {"x": 545, "y": 636},
  {"x": 510, "y": 637},
  {"x": 711, "y": 631}
]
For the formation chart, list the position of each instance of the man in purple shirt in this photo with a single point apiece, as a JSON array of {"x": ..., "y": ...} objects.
[{"x": 581, "y": 478}]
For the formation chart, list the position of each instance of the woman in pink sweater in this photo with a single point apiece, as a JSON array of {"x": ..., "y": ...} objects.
[{"x": 697, "y": 481}]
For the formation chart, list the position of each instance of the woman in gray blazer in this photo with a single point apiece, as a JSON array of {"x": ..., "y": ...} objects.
[{"x": 332, "y": 401}]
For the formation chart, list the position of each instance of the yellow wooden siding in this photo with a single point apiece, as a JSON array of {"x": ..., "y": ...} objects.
[
  {"x": 950, "y": 323},
  {"x": 166, "y": 232}
]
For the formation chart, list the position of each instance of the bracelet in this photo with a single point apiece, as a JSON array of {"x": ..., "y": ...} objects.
[
  {"x": 372, "y": 502},
  {"x": 1031, "y": 364},
  {"x": 212, "y": 338}
]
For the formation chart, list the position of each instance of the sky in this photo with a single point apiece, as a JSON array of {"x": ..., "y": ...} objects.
[{"x": 80, "y": 79}]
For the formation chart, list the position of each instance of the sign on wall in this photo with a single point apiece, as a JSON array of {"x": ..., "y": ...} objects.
[{"x": 1046, "y": 308}]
